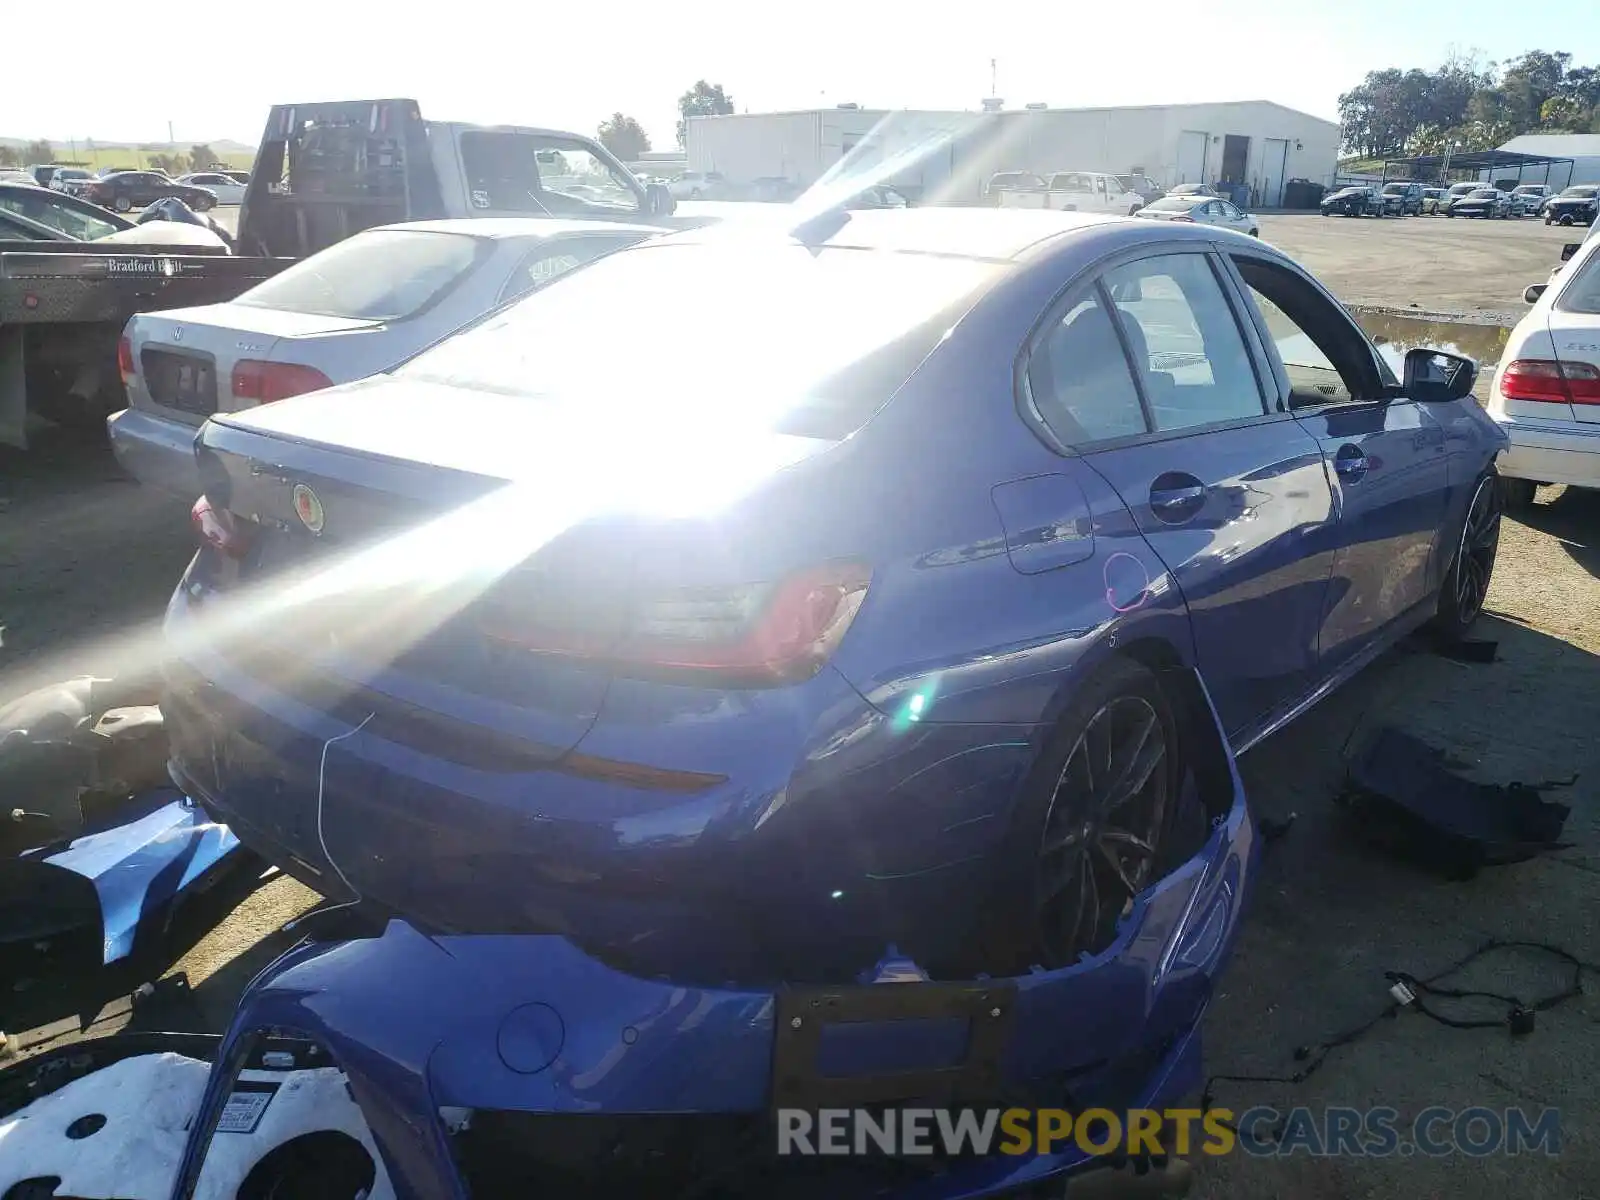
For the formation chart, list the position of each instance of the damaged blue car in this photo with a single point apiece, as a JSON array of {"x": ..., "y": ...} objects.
[{"x": 755, "y": 607}]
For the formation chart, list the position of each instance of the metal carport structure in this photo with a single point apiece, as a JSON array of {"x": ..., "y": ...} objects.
[{"x": 1435, "y": 166}]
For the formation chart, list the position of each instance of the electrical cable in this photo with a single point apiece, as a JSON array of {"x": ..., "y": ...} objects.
[
  {"x": 1407, "y": 991},
  {"x": 322, "y": 840}
]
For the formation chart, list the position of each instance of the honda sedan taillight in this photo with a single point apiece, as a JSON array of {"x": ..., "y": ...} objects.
[{"x": 265, "y": 382}]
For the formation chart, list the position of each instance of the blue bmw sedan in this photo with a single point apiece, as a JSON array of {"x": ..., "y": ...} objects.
[{"x": 753, "y": 600}]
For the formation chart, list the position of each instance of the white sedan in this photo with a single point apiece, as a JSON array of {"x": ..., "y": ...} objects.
[
  {"x": 1201, "y": 210},
  {"x": 229, "y": 191},
  {"x": 357, "y": 309},
  {"x": 1546, "y": 392}
]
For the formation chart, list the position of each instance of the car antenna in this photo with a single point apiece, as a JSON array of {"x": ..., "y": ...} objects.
[{"x": 815, "y": 230}]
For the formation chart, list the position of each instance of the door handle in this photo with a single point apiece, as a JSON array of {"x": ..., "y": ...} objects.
[
  {"x": 1175, "y": 497},
  {"x": 1351, "y": 461}
]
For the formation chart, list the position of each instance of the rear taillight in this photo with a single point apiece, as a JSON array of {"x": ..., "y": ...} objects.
[
  {"x": 265, "y": 382},
  {"x": 1546, "y": 381},
  {"x": 746, "y": 634},
  {"x": 219, "y": 528},
  {"x": 125, "y": 366}
]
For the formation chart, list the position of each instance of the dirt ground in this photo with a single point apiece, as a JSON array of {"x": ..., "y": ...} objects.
[
  {"x": 1461, "y": 268},
  {"x": 88, "y": 560}
]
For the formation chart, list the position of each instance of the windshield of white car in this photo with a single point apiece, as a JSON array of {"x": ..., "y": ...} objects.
[
  {"x": 379, "y": 275},
  {"x": 545, "y": 174},
  {"x": 776, "y": 335},
  {"x": 1172, "y": 204},
  {"x": 1482, "y": 194},
  {"x": 1582, "y": 193}
]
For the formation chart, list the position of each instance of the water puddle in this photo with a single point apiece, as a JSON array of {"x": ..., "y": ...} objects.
[{"x": 1394, "y": 335}]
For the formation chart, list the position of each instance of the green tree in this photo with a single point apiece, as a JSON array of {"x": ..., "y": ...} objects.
[
  {"x": 9, "y": 157},
  {"x": 201, "y": 157},
  {"x": 172, "y": 164},
  {"x": 624, "y": 137},
  {"x": 38, "y": 152},
  {"x": 702, "y": 100}
]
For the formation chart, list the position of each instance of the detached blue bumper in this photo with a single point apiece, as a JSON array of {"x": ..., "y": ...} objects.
[
  {"x": 531, "y": 1025},
  {"x": 125, "y": 878}
]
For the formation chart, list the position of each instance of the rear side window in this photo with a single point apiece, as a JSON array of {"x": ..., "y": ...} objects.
[
  {"x": 1185, "y": 341},
  {"x": 1582, "y": 292},
  {"x": 381, "y": 275},
  {"x": 1080, "y": 381}
]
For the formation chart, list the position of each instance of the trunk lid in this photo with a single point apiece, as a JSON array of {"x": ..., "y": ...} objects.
[
  {"x": 1576, "y": 338},
  {"x": 398, "y": 526},
  {"x": 185, "y": 357}
]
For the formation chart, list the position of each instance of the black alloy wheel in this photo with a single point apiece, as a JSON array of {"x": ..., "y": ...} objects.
[
  {"x": 1466, "y": 585},
  {"x": 1103, "y": 827}
]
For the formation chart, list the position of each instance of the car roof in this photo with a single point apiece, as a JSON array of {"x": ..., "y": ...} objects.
[
  {"x": 984, "y": 233},
  {"x": 496, "y": 228}
]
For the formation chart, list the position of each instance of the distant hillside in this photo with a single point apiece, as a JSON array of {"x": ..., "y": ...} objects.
[{"x": 137, "y": 154}]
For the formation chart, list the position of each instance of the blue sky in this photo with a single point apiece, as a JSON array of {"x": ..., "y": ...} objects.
[{"x": 570, "y": 66}]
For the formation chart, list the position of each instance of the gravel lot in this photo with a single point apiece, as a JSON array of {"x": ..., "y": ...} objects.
[{"x": 89, "y": 558}]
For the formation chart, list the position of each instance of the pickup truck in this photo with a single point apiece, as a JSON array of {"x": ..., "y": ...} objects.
[
  {"x": 323, "y": 172},
  {"x": 1076, "y": 191}
]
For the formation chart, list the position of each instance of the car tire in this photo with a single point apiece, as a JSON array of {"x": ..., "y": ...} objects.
[
  {"x": 1517, "y": 493},
  {"x": 122, "y": 204},
  {"x": 1255, "y": 233},
  {"x": 1063, "y": 873},
  {"x": 1471, "y": 569}
]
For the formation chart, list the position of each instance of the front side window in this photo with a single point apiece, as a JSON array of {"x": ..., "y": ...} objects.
[
  {"x": 1186, "y": 344},
  {"x": 1320, "y": 348},
  {"x": 545, "y": 175},
  {"x": 379, "y": 275},
  {"x": 1079, "y": 379}
]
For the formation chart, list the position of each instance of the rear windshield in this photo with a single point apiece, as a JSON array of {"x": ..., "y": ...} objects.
[
  {"x": 1171, "y": 204},
  {"x": 380, "y": 275},
  {"x": 1395, "y": 189},
  {"x": 809, "y": 342}
]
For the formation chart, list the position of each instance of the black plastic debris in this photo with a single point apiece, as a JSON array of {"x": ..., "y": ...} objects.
[
  {"x": 1476, "y": 653},
  {"x": 71, "y": 751},
  {"x": 1405, "y": 800}
]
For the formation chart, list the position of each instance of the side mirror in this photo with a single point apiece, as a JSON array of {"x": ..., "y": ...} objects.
[
  {"x": 1533, "y": 291},
  {"x": 1569, "y": 250},
  {"x": 659, "y": 200},
  {"x": 1433, "y": 377}
]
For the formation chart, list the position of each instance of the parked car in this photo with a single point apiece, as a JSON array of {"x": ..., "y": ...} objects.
[
  {"x": 71, "y": 180},
  {"x": 1200, "y": 210},
  {"x": 1457, "y": 191},
  {"x": 1481, "y": 202},
  {"x": 1546, "y": 394},
  {"x": 77, "y": 219},
  {"x": 351, "y": 311},
  {"x": 1576, "y": 205},
  {"x": 1529, "y": 198},
  {"x": 1431, "y": 199},
  {"x": 1353, "y": 202},
  {"x": 1402, "y": 198},
  {"x": 877, "y": 196},
  {"x": 1143, "y": 186},
  {"x": 127, "y": 190},
  {"x": 1076, "y": 191},
  {"x": 699, "y": 185},
  {"x": 703, "y": 677},
  {"x": 1003, "y": 182},
  {"x": 226, "y": 189}
]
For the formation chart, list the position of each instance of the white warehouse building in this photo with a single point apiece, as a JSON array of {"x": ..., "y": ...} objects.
[{"x": 947, "y": 157}]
